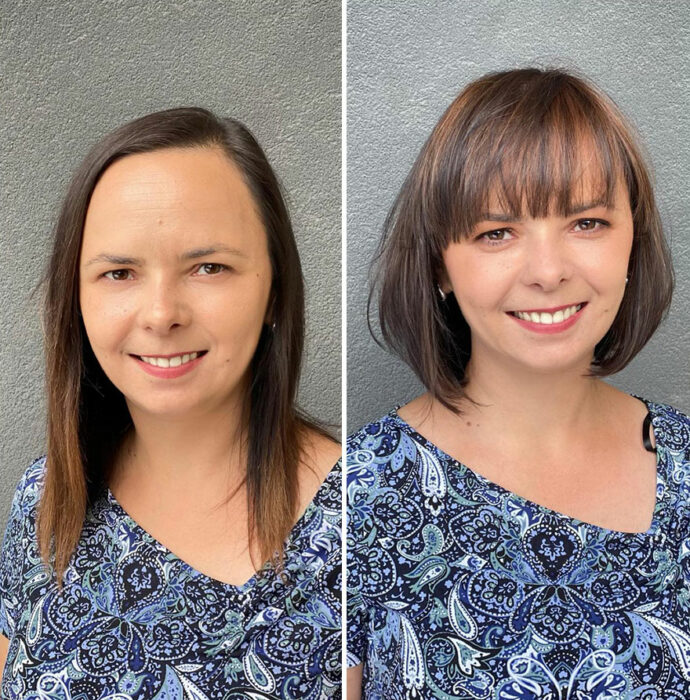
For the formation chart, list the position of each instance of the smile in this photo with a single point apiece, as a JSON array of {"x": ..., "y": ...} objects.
[
  {"x": 546, "y": 318},
  {"x": 170, "y": 360},
  {"x": 548, "y": 322},
  {"x": 170, "y": 366}
]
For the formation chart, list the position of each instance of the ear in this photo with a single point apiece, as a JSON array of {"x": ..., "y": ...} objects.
[{"x": 443, "y": 281}]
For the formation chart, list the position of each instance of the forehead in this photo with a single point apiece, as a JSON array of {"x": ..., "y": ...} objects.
[{"x": 170, "y": 196}]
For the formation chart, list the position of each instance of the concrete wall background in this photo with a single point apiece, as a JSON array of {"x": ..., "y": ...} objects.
[
  {"x": 407, "y": 61},
  {"x": 72, "y": 71}
]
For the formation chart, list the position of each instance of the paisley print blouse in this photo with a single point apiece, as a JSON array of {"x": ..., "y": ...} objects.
[
  {"x": 458, "y": 588},
  {"x": 133, "y": 621}
]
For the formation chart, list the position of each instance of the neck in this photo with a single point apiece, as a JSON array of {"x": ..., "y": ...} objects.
[
  {"x": 189, "y": 450},
  {"x": 534, "y": 407}
]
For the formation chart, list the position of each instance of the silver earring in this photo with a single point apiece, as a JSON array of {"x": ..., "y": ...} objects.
[
  {"x": 441, "y": 293},
  {"x": 273, "y": 326},
  {"x": 627, "y": 279}
]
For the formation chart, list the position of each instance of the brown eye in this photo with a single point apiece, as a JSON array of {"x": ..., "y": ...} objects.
[
  {"x": 496, "y": 236},
  {"x": 117, "y": 275},
  {"x": 211, "y": 268},
  {"x": 590, "y": 224}
]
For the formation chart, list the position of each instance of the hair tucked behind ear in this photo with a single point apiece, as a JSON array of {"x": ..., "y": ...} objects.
[
  {"x": 88, "y": 416},
  {"x": 520, "y": 136}
]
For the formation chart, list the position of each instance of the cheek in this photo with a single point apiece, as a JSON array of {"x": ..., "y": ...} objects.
[
  {"x": 479, "y": 287},
  {"x": 239, "y": 321},
  {"x": 238, "y": 324},
  {"x": 106, "y": 324},
  {"x": 608, "y": 268}
]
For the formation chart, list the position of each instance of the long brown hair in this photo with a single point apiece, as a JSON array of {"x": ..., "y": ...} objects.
[
  {"x": 518, "y": 135},
  {"x": 88, "y": 416}
]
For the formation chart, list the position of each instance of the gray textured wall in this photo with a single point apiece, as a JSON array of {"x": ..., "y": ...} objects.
[
  {"x": 74, "y": 70},
  {"x": 407, "y": 61}
]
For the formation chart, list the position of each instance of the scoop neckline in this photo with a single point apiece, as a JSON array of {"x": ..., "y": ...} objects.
[
  {"x": 266, "y": 568},
  {"x": 660, "y": 490}
]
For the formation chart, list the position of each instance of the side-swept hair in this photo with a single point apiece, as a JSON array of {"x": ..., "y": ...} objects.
[
  {"x": 88, "y": 416},
  {"x": 518, "y": 136}
]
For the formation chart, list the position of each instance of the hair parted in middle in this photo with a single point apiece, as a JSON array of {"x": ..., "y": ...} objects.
[{"x": 526, "y": 139}]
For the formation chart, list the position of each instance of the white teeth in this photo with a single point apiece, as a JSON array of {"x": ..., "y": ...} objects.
[
  {"x": 170, "y": 361},
  {"x": 547, "y": 318}
]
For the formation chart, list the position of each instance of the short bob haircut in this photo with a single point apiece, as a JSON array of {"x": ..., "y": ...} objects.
[
  {"x": 88, "y": 416},
  {"x": 517, "y": 136}
]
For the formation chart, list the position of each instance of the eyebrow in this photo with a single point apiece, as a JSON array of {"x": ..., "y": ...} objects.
[
  {"x": 577, "y": 209},
  {"x": 193, "y": 254}
]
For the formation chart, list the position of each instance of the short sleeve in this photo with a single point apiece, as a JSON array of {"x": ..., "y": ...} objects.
[
  {"x": 356, "y": 554},
  {"x": 13, "y": 555}
]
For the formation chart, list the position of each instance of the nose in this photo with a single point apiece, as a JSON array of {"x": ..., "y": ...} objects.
[
  {"x": 163, "y": 306},
  {"x": 547, "y": 261}
]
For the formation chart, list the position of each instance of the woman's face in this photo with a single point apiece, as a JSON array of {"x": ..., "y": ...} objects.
[
  {"x": 541, "y": 293},
  {"x": 175, "y": 280}
]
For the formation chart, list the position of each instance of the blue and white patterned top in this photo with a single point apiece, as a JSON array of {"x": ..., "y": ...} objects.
[
  {"x": 458, "y": 588},
  {"x": 133, "y": 621}
]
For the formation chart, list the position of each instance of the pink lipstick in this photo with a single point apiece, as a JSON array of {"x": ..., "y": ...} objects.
[
  {"x": 173, "y": 370},
  {"x": 554, "y": 320}
]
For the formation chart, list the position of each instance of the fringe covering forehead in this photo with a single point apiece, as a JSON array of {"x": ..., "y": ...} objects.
[{"x": 522, "y": 148}]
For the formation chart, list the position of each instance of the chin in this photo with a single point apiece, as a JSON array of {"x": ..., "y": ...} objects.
[
  {"x": 558, "y": 366},
  {"x": 165, "y": 407}
]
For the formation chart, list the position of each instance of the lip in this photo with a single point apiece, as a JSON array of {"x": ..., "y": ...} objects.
[
  {"x": 173, "y": 354},
  {"x": 169, "y": 372},
  {"x": 551, "y": 310},
  {"x": 548, "y": 329}
]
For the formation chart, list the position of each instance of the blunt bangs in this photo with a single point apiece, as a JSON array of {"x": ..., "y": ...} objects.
[{"x": 523, "y": 149}]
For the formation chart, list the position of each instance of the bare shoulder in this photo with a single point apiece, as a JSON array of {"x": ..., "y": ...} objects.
[
  {"x": 625, "y": 413},
  {"x": 419, "y": 411},
  {"x": 319, "y": 455},
  {"x": 428, "y": 416},
  {"x": 619, "y": 399}
]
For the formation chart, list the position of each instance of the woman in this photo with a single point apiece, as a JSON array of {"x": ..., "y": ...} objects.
[
  {"x": 522, "y": 530},
  {"x": 181, "y": 536}
]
